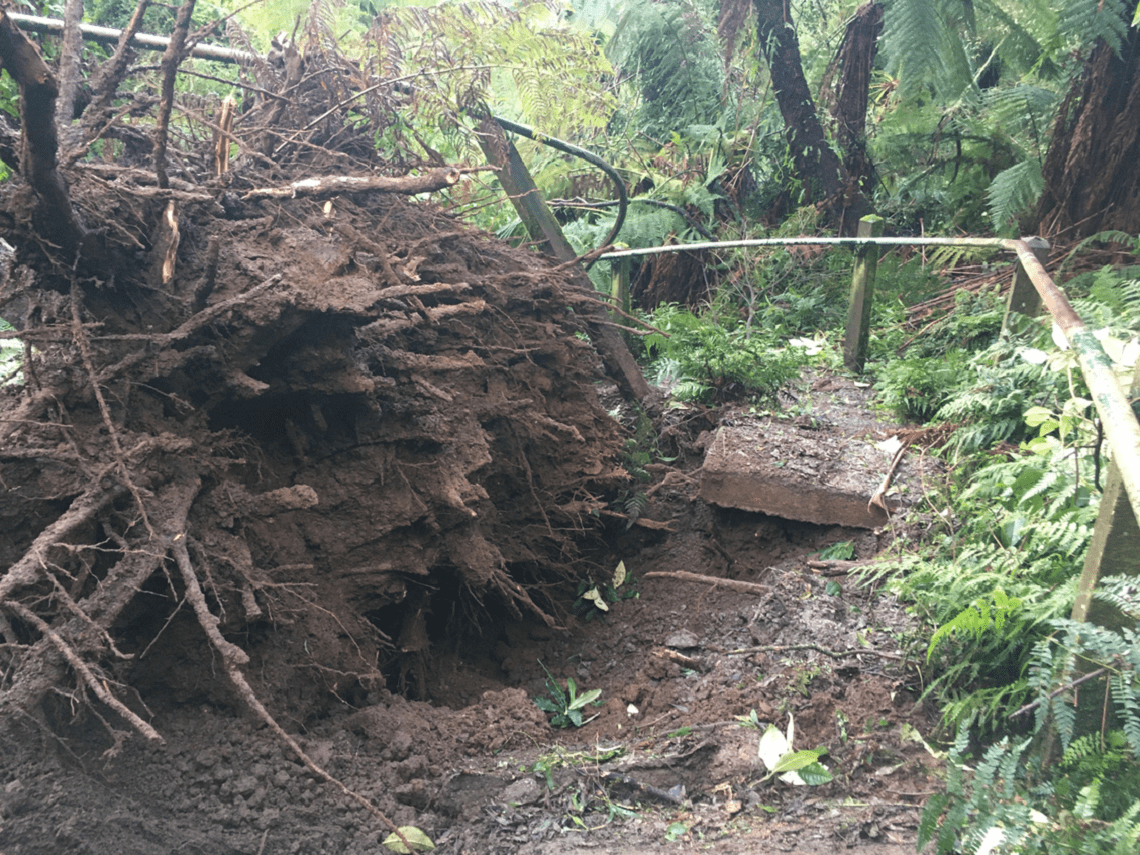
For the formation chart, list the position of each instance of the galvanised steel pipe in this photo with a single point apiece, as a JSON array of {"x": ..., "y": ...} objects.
[{"x": 107, "y": 35}]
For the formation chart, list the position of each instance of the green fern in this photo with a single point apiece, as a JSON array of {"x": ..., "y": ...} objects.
[
  {"x": 923, "y": 42},
  {"x": 977, "y": 619},
  {"x": 1081, "y": 22},
  {"x": 719, "y": 361},
  {"x": 1012, "y": 191}
]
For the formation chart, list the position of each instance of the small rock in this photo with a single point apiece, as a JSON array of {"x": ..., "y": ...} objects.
[
  {"x": 524, "y": 791},
  {"x": 682, "y": 640}
]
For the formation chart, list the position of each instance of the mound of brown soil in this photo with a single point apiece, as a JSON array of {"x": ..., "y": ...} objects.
[{"x": 275, "y": 438}]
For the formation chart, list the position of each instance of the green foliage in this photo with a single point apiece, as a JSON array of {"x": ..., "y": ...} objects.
[
  {"x": 512, "y": 58},
  {"x": 915, "y": 388},
  {"x": 1082, "y": 22},
  {"x": 939, "y": 363},
  {"x": 969, "y": 96},
  {"x": 1013, "y": 191},
  {"x": 566, "y": 705},
  {"x": 159, "y": 18},
  {"x": 594, "y": 600},
  {"x": 1089, "y": 801},
  {"x": 1008, "y": 533},
  {"x": 670, "y": 50},
  {"x": 417, "y": 841},
  {"x": 714, "y": 361}
]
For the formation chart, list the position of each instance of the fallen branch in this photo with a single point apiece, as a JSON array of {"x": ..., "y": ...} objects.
[
  {"x": 836, "y": 567},
  {"x": 1072, "y": 684},
  {"x": 834, "y": 654},
  {"x": 879, "y": 497},
  {"x": 680, "y": 658},
  {"x": 732, "y": 584},
  {"x": 409, "y": 185}
]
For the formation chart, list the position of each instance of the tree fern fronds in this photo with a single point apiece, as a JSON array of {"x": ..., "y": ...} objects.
[
  {"x": 949, "y": 257},
  {"x": 924, "y": 47},
  {"x": 1127, "y": 828},
  {"x": 1123, "y": 594},
  {"x": 1081, "y": 22},
  {"x": 1023, "y": 110},
  {"x": 1021, "y": 31},
  {"x": 1012, "y": 191},
  {"x": 1127, "y": 699}
]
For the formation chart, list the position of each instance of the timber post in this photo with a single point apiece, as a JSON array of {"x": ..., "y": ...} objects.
[
  {"x": 519, "y": 186},
  {"x": 862, "y": 296},
  {"x": 619, "y": 287},
  {"x": 543, "y": 228},
  {"x": 1023, "y": 296}
]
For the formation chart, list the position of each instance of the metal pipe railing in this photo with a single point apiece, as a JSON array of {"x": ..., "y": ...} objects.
[{"x": 107, "y": 35}]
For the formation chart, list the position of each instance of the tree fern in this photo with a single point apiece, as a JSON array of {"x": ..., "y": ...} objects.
[
  {"x": 459, "y": 56},
  {"x": 1081, "y": 22},
  {"x": 923, "y": 43},
  {"x": 1012, "y": 192},
  {"x": 670, "y": 53}
]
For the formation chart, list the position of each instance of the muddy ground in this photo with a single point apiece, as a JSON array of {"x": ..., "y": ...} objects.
[
  {"x": 461, "y": 765},
  {"x": 667, "y": 763},
  {"x": 299, "y": 482}
]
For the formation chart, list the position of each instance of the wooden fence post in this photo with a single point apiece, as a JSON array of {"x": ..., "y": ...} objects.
[
  {"x": 1114, "y": 548},
  {"x": 1023, "y": 296},
  {"x": 522, "y": 191},
  {"x": 862, "y": 296},
  {"x": 619, "y": 286}
]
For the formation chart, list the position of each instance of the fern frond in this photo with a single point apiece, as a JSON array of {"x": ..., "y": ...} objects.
[
  {"x": 923, "y": 41},
  {"x": 1012, "y": 191},
  {"x": 1081, "y": 22}
]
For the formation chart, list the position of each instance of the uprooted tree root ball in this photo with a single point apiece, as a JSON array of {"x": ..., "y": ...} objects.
[{"x": 273, "y": 440}]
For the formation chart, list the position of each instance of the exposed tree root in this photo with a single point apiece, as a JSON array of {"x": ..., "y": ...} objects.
[
  {"x": 365, "y": 402},
  {"x": 80, "y": 667}
]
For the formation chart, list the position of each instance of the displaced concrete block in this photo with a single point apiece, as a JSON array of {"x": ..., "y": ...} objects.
[{"x": 805, "y": 469}]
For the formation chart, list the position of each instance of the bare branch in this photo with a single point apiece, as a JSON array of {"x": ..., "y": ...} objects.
[
  {"x": 171, "y": 59},
  {"x": 410, "y": 185}
]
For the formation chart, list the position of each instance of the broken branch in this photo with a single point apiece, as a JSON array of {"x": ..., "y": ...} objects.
[{"x": 410, "y": 185}]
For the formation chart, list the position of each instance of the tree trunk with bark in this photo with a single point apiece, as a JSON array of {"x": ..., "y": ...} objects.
[
  {"x": 826, "y": 181},
  {"x": 847, "y": 99},
  {"x": 1092, "y": 170}
]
